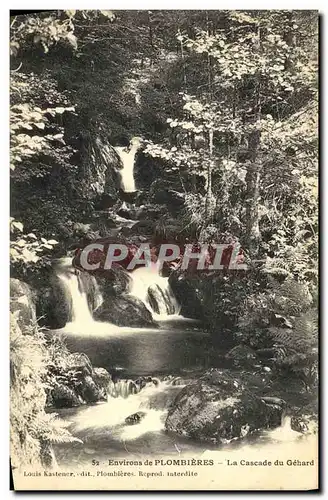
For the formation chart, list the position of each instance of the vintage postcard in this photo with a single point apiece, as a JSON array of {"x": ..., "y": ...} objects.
[{"x": 164, "y": 250}]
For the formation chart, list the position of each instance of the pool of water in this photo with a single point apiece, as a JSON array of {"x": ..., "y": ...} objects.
[{"x": 178, "y": 346}]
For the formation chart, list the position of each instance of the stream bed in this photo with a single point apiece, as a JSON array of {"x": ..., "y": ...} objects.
[{"x": 176, "y": 353}]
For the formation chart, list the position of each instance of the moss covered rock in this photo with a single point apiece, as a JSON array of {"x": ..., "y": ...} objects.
[
  {"x": 125, "y": 311},
  {"x": 218, "y": 408}
]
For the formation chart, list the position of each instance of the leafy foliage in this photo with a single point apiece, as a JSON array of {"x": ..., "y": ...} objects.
[
  {"x": 284, "y": 317},
  {"x": 32, "y": 430},
  {"x": 27, "y": 248}
]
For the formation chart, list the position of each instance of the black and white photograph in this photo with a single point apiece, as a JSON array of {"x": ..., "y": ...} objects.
[{"x": 164, "y": 222}]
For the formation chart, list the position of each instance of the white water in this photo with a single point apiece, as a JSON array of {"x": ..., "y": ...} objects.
[
  {"x": 82, "y": 321},
  {"x": 80, "y": 310},
  {"x": 112, "y": 415},
  {"x": 127, "y": 157},
  {"x": 142, "y": 279},
  {"x": 106, "y": 422}
]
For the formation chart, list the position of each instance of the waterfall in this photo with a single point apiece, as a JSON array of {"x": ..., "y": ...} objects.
[
  {"x": 154, "y": 290},
  {"x": 85, "y": 295},
  {"x": 80, "y": 309},
  {"x": 122, "y": 388},
  {"x": 83, "y": 290},
  {"x": 127, "y": 157}
]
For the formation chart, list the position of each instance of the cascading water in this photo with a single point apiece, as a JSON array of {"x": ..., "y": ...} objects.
[
  {"x": 80, "y": 310},
  {"x": 154, "y": 290},
  {"x": 122, "y": 388},
  {"x": 78, "y": 288},
  {"x": 126, "y": 398},
  {"x": 127, "y": 157}
]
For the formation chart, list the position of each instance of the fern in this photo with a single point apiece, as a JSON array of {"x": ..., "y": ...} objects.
[
  {"x": 49, "y": 427},
  {"x": 32, "y": 430}
]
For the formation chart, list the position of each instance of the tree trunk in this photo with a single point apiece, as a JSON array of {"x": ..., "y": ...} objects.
[
  {"x": 209, "y": 197},
  {"x": 252, "y": 195}
]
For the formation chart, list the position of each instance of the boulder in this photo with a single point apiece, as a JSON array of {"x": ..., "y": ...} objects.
[
  {"x": 218, "y": 408},
  {"x": 306, "y": 424},
  {"x": 78, "y": 383},
  {"x": 22, "y": 301},
  {"x": 54, "y": 304},
  {"x": 185, "y": 289},
  {"x": 102, "y": 377},
  {"x": 135, "y": 418},
  {"x": 143, "y": 382},
  {"x": 63, "y": 396},
  {"x": 147, "y": 170},
  {"x": 112, "y": 282},
  {"x": 90, "y": 391},
  {"x": 241, "y": 355},
  {"x": 128, "y": 211},
  {"x": 106, "y": 200},
  {"x": 125, "y": 311},
  {"x": 100, "y": 176}
]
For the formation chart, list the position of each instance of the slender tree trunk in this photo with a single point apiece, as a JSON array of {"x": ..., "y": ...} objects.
[
  {"x": 289, "y": 37},
  {"x": 151, "y": 37},
  {"x": 183, "y": 67},
  {"x": 253, "y": 174},
  {"x": 252, "y": 195},
  {"x": 209, "y": 205},
  {"x": 209, "y": 196}
]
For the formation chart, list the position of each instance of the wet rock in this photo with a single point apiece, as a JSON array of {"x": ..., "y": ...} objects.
[
  {"x": 90, "y": 392},
  {"x": 112, "y": 282},
  {"x": 306, "y": 424},
  {"x": 185, "y": 290},
  {"x": 128, "y": 196},
  {"x": 63, "y": 396},
  {"x": 22, "y": 301},
  {"x": 89, "y": 285},
  {"x": 101, "y": 166},
  {"x": 135, "y": 418},
  {"x": 128, "y": 211},
  {"x": 160, "y": 300},
  {"x": 79, "y": 362},
  {"x": 125, "y": 311},
  {"x": 76, "y": 382},
  {"x": 241, "y": 355},
  {"x": 52, "y": 300},
  {"x": 147, "y": 170},
  {"x": 101, "y": 377},
  {"x": 143, "y": 382},
  {"x": 218, "y": 408}
]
